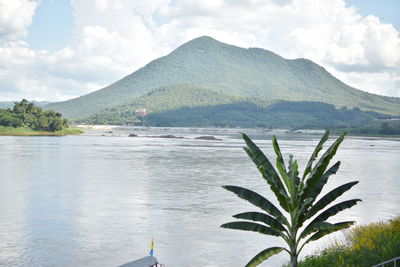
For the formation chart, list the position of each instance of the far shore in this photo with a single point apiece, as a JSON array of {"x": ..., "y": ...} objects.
[
  {"x": 25, "y": 131},
  {"x": 190, "y": 128},
  {"x": 224, "y": 130},
  {"x": 110, "y": 127}
]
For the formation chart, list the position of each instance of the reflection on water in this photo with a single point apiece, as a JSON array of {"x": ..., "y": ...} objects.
[{"x": 98, "y": 200}]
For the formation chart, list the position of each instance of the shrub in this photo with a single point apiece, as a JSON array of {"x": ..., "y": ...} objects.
[{"x": 362, "y": 246}]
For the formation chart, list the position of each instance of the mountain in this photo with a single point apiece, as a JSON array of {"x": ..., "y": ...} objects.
[
  {"x": 255, "y": 73},
  {"x": 10, "y": 104},
  {"x": 6, "y": 104}
]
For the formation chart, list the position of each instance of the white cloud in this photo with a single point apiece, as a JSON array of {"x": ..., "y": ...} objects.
[
  {"x": 26, "y": 73},
  {"x": 382, "y": 83},
  {"x": 15, "y": 18},
  {"x": 367, "y": 46},
  {"x": 114, "y": 38}
]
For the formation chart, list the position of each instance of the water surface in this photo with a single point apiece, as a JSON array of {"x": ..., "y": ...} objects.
[{"x": 96, "y": 200}]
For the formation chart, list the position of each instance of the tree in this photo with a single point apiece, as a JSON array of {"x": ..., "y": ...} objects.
[
  {"x": 21, "y": 107},
  {"x": 25, "y": 114},
  {"x": 386, "y": 129},
  {"x": 296, "y": 196},
  {"x": 56, "y": 124},
  {"x": 10, "y": 119}
]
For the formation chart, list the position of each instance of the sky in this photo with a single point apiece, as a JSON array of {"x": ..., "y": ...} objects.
[{"x": 54, "y": 50}]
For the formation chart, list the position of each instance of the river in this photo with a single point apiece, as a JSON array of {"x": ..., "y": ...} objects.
[{"x": 98, "y": 199}]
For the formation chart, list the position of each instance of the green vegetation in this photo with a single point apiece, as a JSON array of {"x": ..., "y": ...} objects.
[
  {"x": 26, "y": 131},
  {"x": 27, "y": 119},
  {"x": 186, "y": 105},
  {"x": 296, "y": 196},
  {"x": 4, "y": 130},
  {"x": 292, "y": 115},
  {"x": 388, "y": 127},
  {"x": 363, "y": 246},
  {"x": 69, "y": 131},
  {"x": 161, "y": 99},
  {"x": 243, "y": 73}
]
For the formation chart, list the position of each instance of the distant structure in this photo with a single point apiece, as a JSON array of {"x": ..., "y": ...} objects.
[{"x": 141, "y": 112}]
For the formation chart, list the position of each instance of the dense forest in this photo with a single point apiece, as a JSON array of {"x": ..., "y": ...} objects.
[
  {"x": 286, "y": 115},
  {"x": 374, "y": 127},
  {"x": 186, "y": 105},
  {"x": 25, "y": 114},
  {"x": 292, "y": 115}
]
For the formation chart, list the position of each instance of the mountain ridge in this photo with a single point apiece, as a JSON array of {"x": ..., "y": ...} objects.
[{"x": 245, "y": 72}]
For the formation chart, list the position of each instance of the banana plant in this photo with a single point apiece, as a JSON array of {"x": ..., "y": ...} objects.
[{"x": 302, "y": 217}]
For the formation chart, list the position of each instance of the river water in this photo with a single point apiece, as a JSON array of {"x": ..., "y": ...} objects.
[{"x": 98, "y": 199}]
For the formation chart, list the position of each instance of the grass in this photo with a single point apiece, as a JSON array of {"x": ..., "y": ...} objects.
[
  {"x": 362, "y": 246},
  {"x": 25, "y": 131},
  {"x": 70, "y": 131}
]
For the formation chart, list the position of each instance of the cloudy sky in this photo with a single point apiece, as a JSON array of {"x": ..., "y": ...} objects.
[{"x": 59, "y": 49}]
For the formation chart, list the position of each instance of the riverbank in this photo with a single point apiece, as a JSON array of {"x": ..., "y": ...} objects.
[
  {"x": 363, "y": 245},
  {"x": 26, "y": 131}
]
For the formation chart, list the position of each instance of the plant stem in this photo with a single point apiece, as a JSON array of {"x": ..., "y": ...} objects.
[
  {"x": 293, "y": 260},
  {"x": 293, "y": 237}
]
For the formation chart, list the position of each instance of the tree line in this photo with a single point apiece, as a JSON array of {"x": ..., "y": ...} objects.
[{"x": 25, "y": 114}]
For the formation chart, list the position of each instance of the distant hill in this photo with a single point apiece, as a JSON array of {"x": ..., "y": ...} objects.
[
  {"x": 6, "y": 104},
  {"x": 10, "y": 104},
  {"x": 250, "y": 73},
  {"x": 185, "y": 105}
]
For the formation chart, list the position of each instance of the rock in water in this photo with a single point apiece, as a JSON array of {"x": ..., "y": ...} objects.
[
  {"x": 208, "y": 137},
  {"x": 169, "y": 136}
]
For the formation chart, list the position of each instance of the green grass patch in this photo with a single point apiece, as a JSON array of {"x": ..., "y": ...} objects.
[
  {"x": 70, "y": 131},
  {"x": 25, "y": 131},
  {"x": 362, "y": 246}
]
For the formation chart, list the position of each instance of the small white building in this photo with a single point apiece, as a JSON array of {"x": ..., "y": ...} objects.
[{"x": 141, "y": 112}]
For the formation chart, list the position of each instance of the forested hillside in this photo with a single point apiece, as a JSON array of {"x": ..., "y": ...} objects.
[
  {"x": 250, "y": 73},
  {"x": 302, "y": 114},
  {"x": 161, "y": 99},
  {"x": 186, "y": 105}
]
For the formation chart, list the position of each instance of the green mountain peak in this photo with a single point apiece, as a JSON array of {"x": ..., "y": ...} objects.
[{"x": 250, "y": 73}]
